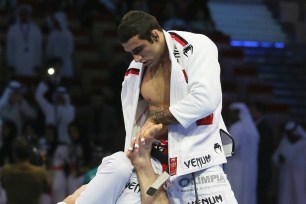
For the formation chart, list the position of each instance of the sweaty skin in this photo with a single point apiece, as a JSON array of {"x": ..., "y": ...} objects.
[{"x": 155, "y": 89}]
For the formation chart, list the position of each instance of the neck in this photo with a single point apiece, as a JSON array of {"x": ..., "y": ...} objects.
[{"x": 165, "y": 56}]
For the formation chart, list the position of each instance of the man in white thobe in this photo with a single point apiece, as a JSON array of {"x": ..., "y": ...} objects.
[
  {"x": 241, "y": 169},
  {"x": 60, "y": 43},
  {"x": 59, "y": 111},
  {"x": 24, "y": 43},
  {"x": 290, "y": 158}
]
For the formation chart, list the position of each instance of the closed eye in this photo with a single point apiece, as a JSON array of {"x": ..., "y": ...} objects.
[{"x": 137, "y": 50}]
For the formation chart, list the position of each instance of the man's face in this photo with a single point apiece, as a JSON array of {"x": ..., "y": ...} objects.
[{"x": 144, "y": 51}]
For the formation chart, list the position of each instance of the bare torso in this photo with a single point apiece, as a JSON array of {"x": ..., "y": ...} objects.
[{"x": 155, "y": 89}]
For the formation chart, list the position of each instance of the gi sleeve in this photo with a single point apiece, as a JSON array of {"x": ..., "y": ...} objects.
[{"x": 204, "y": 87}]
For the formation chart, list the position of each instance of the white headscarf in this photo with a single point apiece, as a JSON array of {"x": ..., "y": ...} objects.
[
  {"x": 60, "y": 16},
  {"x": 295, "y": 128},
  {"x": 246, "y": 118}
]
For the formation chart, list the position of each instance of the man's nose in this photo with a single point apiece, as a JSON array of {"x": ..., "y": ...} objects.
[{"x": 137, "y": 58}]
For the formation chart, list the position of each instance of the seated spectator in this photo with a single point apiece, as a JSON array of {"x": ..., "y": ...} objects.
[
  {"x": 23, "y": 182},
  {"x": 79, "y": 156},
  {"x": 56, "y": 160},
  {"x": 8, "y": 134},
  {"x": 30, "y": 133},
  {"x": 96, "y": 159},
  {"x": 102, "y": 121}
]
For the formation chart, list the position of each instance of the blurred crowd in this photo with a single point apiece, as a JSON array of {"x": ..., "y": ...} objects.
[
  {"x": 40, "y": 124},
  {"x": 265, "y": 169}
]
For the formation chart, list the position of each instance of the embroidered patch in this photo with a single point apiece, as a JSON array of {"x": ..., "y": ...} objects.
[
  {"x": 173, "y": 166},
  {"x": 188, "y": 48}
]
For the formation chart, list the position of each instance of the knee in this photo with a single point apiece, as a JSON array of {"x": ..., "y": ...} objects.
[{"x": 117, "y": 164}]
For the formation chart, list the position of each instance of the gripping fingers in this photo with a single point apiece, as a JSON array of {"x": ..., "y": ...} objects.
[{"x": 152, "y": 131}]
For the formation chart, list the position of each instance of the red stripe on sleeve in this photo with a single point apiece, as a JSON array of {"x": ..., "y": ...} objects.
[
  {"x": 131, "y": 71},
  {"x": 208, "y": 120}
]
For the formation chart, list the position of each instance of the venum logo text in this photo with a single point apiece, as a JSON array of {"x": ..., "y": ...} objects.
[
  {"x": 208, "y": 200},
  {"x": 176, "y": 53},
  {"x": 133, "y": 186},
  {"x": 197, "y": 162}
]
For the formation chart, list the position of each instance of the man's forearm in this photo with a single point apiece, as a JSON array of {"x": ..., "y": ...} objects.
[{"x": 163, "y": 117}]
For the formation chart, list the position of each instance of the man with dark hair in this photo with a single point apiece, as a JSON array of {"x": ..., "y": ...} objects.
[
  {"x": 23, "y": 182},
  {"x": 145, "y": 24},
  {"x": 171, "y": 91}
]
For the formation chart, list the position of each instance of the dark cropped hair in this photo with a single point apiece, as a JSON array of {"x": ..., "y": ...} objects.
[
  {"x": 21, "y": 149},
  {"x": 136, "y": 23}
]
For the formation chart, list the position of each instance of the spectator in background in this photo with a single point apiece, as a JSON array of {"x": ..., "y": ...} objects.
[
  {"x": 8, "y": 134},
  {"x": 22, "y": 181},
  {"x": 60, "y": 43},
  {"x": 8, "y": 4},
  {"x": 30, "y": 133},
  {"x": 56, "y": 160},
  {"x": 265, "y": 151},
  {"x": 290, "y": 160},
  {"x": 173, "y": 20},
  {"x": 200, "y": 23},
  {"x": 96, "y": 158},
  {"x": 1, "y": 125},
  {"x": 15, "y": 107},
  {"x": 79, "y": 156},
  {"x": 58, "y": 110},
  {"x": 241, "y": 169},
  {"x": 24, "y": 43},
  {"x": 102, "y": 121}
]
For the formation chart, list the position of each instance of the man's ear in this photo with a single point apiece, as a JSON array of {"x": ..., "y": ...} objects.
[{"x": 155, "y": 35}]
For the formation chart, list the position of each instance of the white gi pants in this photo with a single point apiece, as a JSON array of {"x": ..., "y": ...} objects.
[{"x": 116, "y": 182}]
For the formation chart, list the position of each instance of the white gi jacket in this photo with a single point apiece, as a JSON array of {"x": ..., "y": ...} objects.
[{"x": 195, "y": 101}]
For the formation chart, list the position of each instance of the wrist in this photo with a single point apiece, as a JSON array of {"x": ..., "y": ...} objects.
[{"x": 141, "y": 164}]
